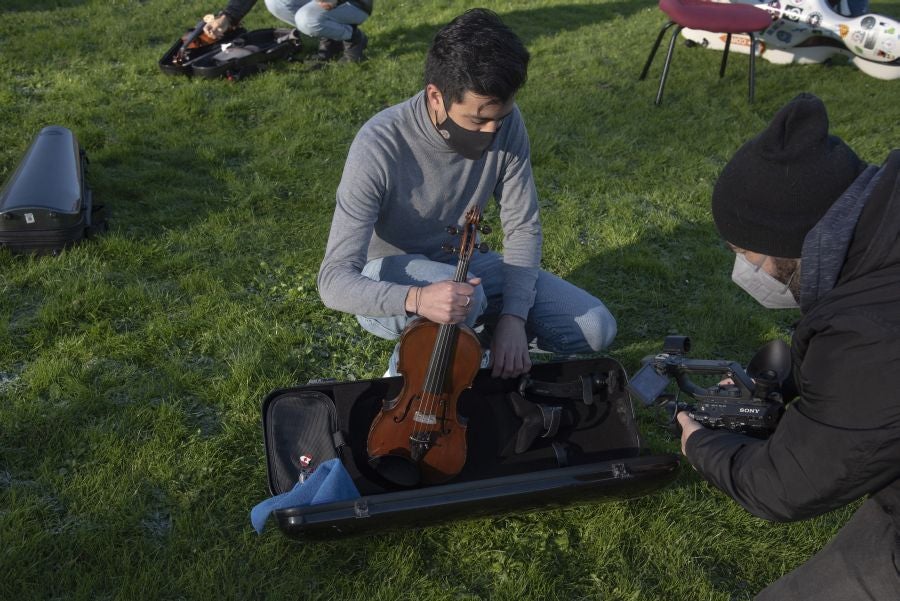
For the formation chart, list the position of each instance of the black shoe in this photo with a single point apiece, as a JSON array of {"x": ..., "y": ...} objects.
[
  {"x": 329, "y": 49},
  {"x": 353, "y": 48}
]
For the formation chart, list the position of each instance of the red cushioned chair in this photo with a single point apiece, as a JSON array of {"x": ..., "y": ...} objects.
[{"x": 709, "y": 16}]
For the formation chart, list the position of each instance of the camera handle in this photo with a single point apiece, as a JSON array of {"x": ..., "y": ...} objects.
[
  {"x": 743, "y": 388},
  {"x": 751, "y": 403}
]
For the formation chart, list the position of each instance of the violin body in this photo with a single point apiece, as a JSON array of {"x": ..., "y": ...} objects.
[
  {"x": 422, "y": 424},
  {"x": 198, "y": 41},
  {"x": 197, "y": 38},
  {"x": 419, "y": 436}
]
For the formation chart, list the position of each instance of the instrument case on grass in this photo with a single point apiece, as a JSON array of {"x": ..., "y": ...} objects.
[
  {"x": 237, "y": 55},
  {"x": 46, "y": 204},
  {"x": 594, "y": 453}
]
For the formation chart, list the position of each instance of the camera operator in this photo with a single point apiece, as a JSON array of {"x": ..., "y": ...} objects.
[{"x": 815, "y": 227}]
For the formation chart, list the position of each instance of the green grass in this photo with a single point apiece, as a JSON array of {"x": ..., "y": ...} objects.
[{"x": 132, "y": 368}]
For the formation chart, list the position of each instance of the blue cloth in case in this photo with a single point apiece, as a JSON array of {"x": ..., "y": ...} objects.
[{"x": 329, "y": 483}]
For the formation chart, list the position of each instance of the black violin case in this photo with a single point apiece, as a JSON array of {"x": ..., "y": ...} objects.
[
  {"x": 238, "y": 54},
  {"x": 46, "y": 204},
  {"x": 593, "y": 455}
]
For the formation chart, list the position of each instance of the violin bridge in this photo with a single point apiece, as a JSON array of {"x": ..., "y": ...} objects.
[{"x": 425, "y": 418}]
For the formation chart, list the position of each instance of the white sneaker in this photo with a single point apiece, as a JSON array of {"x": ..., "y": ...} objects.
[{"x": 392, "y": 362}]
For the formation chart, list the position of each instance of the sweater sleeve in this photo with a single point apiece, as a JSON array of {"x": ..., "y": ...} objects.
[
  {"x": 359, "y": 197},
  {"x": 238, "y": 9},
  {"x": 833, "y": 445},
  {"x": 522, "y": 235}
]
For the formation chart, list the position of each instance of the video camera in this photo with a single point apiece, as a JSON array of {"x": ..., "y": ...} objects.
[{"x": 751, "y": 403}]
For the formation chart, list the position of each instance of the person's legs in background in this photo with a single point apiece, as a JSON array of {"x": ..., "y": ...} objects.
[
  {"x": 336, "y": 28},
  {"x": 850, "y": 8},
  {"x": 286, "y": 9}
]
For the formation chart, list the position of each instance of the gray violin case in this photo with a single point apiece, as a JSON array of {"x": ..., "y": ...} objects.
[{"x": 46, "y": 205}]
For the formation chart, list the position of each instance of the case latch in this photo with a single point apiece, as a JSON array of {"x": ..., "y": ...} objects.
[
  {"x": 620, "y": 471},
  {"x": 361, "y": 508}
]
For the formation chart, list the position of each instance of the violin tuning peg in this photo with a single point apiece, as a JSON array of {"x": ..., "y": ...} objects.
[
  {"x": 452, "y": 230},
  {"x": 483, "y": 247},
  {"x": 485, "y": 229}
]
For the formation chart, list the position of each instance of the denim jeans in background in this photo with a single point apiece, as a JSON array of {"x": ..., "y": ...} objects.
[
  {"x": 564, "y": 319},
  {"x": 313, "y": 20},
  {"x": 849, "y": 8}
]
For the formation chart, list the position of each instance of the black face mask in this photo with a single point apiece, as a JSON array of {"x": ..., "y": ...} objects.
[{"x": 468, "y": 143}]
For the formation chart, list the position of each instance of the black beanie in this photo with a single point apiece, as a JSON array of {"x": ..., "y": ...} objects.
[{"x": 779, "y": 184}]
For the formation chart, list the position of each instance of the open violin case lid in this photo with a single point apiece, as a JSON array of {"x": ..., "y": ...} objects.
[{"x": 587, "y": 449}]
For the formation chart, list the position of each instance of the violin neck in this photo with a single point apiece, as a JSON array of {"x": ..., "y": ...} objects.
[
  {"x": 462, "y": 270},
  {"x": 445, "y": 342}
]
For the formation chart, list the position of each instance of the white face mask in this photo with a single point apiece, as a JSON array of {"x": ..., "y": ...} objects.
[{"x": 756, "y": 282}]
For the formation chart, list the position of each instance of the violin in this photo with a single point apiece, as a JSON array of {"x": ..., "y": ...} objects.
[
  {"x": 197, "y": 38},
  {"x": 194, "y": 38},
  {"x": 419, "y": 436}
]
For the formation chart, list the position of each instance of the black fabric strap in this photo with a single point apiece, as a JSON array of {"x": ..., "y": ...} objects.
[
  {"x": 552, "y": 415},
  {"x": 537, "y": 421},
  {"x": 338, "y": 438},
  {"x": 582, "y": 389},
  {"x": 562, "y": 454}
]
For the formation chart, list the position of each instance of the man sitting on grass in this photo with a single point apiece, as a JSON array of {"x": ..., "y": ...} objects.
[{"x": 416, "y": 168}]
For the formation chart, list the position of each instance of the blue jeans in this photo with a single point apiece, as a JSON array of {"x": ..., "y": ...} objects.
[
  {"x": 315, "y": 21},
  {"x": 849, "y": 8},
  {"x": 564, "y": 319}
]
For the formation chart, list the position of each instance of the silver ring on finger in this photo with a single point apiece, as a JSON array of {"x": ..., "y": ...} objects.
[{"x": 468, "y": 301}]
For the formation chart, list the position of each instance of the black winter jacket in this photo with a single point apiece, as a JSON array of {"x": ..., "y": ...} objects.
[{"x": 840, "y": 440}]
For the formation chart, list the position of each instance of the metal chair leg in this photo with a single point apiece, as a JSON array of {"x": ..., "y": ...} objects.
[
  {"x": 725, "y": 56},
  {"x": 665, "y": 73},
  {"x": 752, "y": 66},
  {"x": 659, "y": 38}
]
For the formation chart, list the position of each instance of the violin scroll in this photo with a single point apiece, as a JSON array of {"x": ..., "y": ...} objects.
[{"x": 468, "y": 243}]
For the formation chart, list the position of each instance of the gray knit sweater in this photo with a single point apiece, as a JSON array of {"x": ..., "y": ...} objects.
[{"x": 403, "y": 185}]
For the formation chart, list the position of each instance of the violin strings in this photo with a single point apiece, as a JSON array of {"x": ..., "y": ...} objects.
[
  {"x": 437, "y": 371},
  {"x": 436, "y": 377}
]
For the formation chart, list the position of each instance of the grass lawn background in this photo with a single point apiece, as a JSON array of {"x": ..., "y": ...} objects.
[{"x": 132, "y": 368}]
